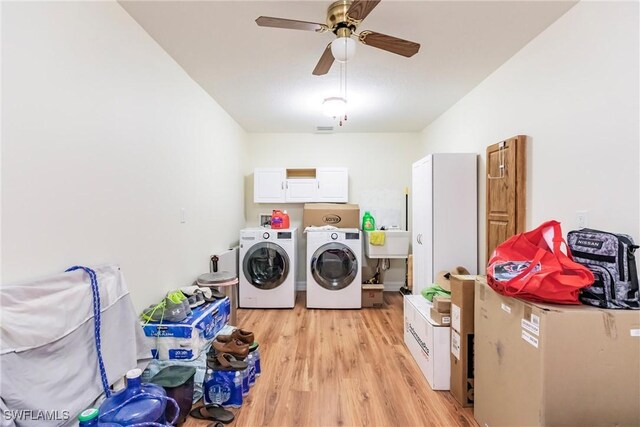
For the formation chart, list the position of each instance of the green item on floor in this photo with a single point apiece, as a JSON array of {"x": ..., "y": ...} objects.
[{"x": 433, "y": 291}]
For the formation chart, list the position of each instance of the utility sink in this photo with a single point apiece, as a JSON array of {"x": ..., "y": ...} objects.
[{"x": 396, "y": 245}]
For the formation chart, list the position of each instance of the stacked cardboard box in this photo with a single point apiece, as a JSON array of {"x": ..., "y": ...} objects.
[
  {"x": 372, "y": 295},
  {"x": 543, "y": 364},
  {"x": 462, "y": 291},
  {"x": 427, "y": 340},
  {"x": 441, "y": 310},
  {"x": 341, "y": 215}
]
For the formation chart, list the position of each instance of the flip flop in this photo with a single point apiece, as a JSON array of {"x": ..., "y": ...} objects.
[
  {"x": 213, "y": 412},
  {"x": 225, "y": 362}
]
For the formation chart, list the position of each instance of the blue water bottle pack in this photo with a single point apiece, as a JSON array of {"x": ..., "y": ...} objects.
[{"x": 223, "y": 388}]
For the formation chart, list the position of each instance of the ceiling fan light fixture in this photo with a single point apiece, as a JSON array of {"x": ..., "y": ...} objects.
[
  {"x": 334, "y": 106},
  {"x": 343, "y": 49}
]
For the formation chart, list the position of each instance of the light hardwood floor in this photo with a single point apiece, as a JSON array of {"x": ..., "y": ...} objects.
[{"x": 339, "y": 368}]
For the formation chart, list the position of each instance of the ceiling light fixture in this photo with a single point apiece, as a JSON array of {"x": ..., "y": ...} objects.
[
  {"x": 343, "y": 49},
  {"x": 335, "y": 106}
]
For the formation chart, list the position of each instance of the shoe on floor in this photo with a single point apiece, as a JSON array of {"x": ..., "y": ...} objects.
[{"x": 213, "y": 412}]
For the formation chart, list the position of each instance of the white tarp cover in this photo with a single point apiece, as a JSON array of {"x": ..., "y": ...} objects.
[{"x": 48, "y": 357}]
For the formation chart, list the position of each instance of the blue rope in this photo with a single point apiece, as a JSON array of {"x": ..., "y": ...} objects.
[{"x": 96, "y": 323}]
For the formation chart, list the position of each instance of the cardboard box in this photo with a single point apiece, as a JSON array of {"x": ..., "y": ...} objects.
[
  {"x": 462, "y": 291},
  {"x": 442, "y": 304},
  {"x": 427, "y": 341},
  {"x": 543, "y": 364},
  {"x": 440, "y": 318},
  {"x": 341, "y": 215},
  {"x": 372, "y": 295}
]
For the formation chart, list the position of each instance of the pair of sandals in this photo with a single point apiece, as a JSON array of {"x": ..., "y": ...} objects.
[{"x": 212, "y": 412}]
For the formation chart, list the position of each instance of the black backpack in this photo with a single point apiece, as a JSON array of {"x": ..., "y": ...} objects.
[{"x": 610, "y": 258}]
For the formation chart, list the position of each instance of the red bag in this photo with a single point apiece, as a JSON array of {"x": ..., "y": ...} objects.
[{"x": 532, "y": 266}]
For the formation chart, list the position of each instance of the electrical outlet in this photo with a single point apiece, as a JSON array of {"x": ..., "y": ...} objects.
[
  {"x": 583, "y": 219},
  {"x": 183, "y": 215}
]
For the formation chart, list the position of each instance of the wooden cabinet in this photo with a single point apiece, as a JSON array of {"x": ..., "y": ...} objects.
[
  {"x": 444, "y": 216},
  {"x": 506, "y": 191},
  {"x": 281, "y": 185}
]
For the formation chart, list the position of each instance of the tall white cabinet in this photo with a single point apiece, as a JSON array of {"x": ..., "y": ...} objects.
[{"x": 444, "y": 216}]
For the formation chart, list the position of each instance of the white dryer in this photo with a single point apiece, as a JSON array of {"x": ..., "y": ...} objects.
[
  {"x": 334, "y": 268},
  {"x": 267, "y": 268}
]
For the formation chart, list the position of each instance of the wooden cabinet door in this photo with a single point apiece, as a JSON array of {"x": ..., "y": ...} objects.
[
  {"x": 333, "y": 185},
  {"x": 268, "y": 185},
  {"x": 506, "y": 186}
]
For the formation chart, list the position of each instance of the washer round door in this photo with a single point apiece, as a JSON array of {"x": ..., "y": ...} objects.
[
  {"x": 266, "y": 265},
  {"x": 334, "y": 266}
]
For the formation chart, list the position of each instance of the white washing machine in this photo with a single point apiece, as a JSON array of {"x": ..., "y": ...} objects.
[
  {"x": 334, "y": 268},
  {"x": 267, "y": 268}
]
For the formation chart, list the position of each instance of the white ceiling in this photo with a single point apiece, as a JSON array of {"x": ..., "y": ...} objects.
[{"x": 262, "y": 76}]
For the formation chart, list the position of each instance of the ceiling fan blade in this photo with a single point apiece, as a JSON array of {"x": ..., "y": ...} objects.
[
  {"x": 325, "y": 62},
  {"x": 291, "y": 24},
  {"x": 359, "y": 9},
  {"x": 389, "y": 43}
]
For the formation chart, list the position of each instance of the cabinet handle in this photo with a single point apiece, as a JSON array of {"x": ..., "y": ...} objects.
[
  {"x": 282, "y": 185},
  {"x": 318, "y": 185},
  {"x": 287, "y": 185}
]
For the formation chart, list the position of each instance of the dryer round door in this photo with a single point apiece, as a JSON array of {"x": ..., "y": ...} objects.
[
  {"x": 334, "y": 266},
  {"x": 266, "y": 265}
]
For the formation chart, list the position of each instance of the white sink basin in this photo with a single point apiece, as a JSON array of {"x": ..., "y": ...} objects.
[{"x": 396, "y": 245}]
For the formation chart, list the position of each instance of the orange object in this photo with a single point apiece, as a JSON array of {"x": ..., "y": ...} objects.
[
  {"x": 285, "y": 220},
  {"x": 277, "y": 219}
]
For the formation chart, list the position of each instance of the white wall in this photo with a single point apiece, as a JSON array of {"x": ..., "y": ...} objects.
[
  {"x": 104, "y": 139},
  {"x": 379, "y": 170},
  {"x": 574, "y": 91}
]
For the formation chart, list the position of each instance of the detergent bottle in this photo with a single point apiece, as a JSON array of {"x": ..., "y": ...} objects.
[
  {"x": 277, "y": 219},
  {"x": 368, "y": 223},
  {"x": 137, "y": 403},
  {"x": 285, "y": 220}
]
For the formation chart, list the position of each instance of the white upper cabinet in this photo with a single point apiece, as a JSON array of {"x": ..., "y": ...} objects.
[
  {"x": 281, "y": 185},
  {"x": 301, "y": 190},
  {"x": 333, "y": 185},
  {"x": 268, "y": 185}
]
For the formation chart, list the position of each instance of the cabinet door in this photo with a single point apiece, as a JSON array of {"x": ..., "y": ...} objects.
[
  {"x": 301, "y": 190},
  {"x": 419, "y": 224},
  {"x": 268, "y": 185},
  {"x": 506, "y": 191},
  {"x": 333, "y": 185}
]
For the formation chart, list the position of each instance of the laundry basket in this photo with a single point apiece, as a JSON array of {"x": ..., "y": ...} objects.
[{"x": 227, "y": 283}]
